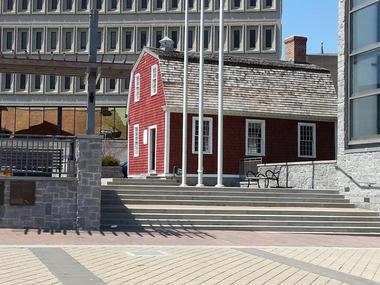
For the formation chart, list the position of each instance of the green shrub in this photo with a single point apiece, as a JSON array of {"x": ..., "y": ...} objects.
[{"x": 110, "y": 161}]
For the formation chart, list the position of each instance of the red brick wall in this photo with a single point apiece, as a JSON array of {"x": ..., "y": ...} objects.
[
  {"x": 281, "y": 143},
  {"x": 146, "y": 112}
]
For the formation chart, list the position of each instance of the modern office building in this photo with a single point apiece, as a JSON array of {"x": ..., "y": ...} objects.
[
  {"x": 59, "y": 28},
  {"x": 358, "y": 158}
]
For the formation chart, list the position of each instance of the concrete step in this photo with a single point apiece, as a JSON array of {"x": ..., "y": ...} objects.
[
  {"x": 212, "y": 189},
  {"x": 223, "y": 210},
  {"x": 268, "y": 193},
  {"x": 288, "y": 229},
  {"x": 155, "y": 181},
  {"x": 231, "y": 217},
  {"x": 215, "y": 202},
  {"x": 338, "y": 224},
  {"x": 109, "y": 199}
]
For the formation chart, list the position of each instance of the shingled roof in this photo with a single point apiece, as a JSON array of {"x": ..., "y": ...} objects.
[{"x": 252, "y": 87}]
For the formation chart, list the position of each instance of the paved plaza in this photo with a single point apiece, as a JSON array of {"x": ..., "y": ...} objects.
[{"x": 186, "y": 257}]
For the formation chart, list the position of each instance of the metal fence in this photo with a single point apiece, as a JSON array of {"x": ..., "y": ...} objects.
[{"x": 33, "y": 155}]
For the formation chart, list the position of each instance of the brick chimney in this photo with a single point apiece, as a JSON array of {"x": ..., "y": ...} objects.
[{"x": 295, "y": 49}]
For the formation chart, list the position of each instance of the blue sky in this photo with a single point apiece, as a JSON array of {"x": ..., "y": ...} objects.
[{"x": 315, "y": 19}]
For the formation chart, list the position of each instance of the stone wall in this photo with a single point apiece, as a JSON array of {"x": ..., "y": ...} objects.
[
  {"x": 60, "y": 203},
  {"x": 358, "y": 171},
  {"x": 306, "y": 175},
  {"x": 54, "y": 207}
]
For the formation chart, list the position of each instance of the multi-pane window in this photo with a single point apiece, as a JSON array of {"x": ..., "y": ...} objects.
[
  {"x": 206, "y": 39},
  {"x": 38, "y": 38},
  {"x": 67, "y": 83},
  {"x": 137, "y": 87},
  {"x": 306, "y": 140},
  {"x": 53, "y": 5},
  {"x": 52, "y": 40},
  {"x": 128, "y": 4},
  {"x": 99, "y": 4},
  {"x": 252, "y": 4},
  {"x": 174, "y": 35},
  {"x": 255, "y": 137},
  {"x": 9, "y": 5},
  {"x": 127, "y": 39},
  {"x": 112, "y": 84},
  {"x": 235, "y": 4},
  {"x": 191, "y": 4},
  {"x": 8, "y": 40},
  {"x": 37, "y": 82},
  {"x": 82, "y": 85},
  {"x": 112, "y": 5},
  {"x": 23, "y": 40},
  {"x": 216, "y": 38},
  {"x": 268, "y": 37},
  {"x": 136, "y": 143},
  {"x": 236, "y": 38},
  {"x": 82, "y": 40},
  {"x": 143, "y": 38},
  {"x": 252, "y": 33},
  {"x": 173, "y": 4},
  {"x": 143, "y": 4},
  {"x": 24, "y": 5},
  {"x": 207, "y": 4},
  {"x": 7, "y": 81},
  {"x": 158, "y": 36},
  {"x": 52, "y": 82},
  {"x": 38, "y": 5},
  {"x": 153, "y": 84},
  {"x": 268, "y": 4},
  {"x": 158, "y": 4},
  {"x": 190, "y": 39},
  {"x": 67, "y": 39},
  {"x": 364, "y": 72},
  {"x": 22, "y": 82},
  {"x": 83, "y": 4},
  {"x": 112, "y": 40},
  {"x": 207, "y": 135},
  {"x": 67, "y": 5},
  {"x": 99, "y": 40}
]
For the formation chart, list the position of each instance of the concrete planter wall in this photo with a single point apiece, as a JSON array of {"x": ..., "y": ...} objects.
[{"x": 112, "y": 172}]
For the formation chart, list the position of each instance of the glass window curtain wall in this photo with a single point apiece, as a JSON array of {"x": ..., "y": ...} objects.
[{"x": 364, "y": 71}]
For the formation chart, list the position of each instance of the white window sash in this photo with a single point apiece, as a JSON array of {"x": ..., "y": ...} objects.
[
  {"x": 153, "y": 85},
  {"x": 262, "y": 139},
  {"x": 136, "y": 142},
  {"x": 137, "y": 87},
  {"x": 210, "y": 138},
  {"x": 314, "y": 139}
]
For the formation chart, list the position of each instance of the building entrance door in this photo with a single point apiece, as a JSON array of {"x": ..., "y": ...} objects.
[{"x": 152, "y": 149}]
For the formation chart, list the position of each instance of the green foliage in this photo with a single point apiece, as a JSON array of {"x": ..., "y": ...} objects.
[{"x": 110, "y": 161}]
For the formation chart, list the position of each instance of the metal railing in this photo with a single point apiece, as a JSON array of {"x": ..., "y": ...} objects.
[
  {"x": 35, "y": 155},
  {"x": 249, "y": 164}
]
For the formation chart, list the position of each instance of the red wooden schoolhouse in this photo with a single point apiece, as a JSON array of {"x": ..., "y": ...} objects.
[{"x": 279, "y": 111}]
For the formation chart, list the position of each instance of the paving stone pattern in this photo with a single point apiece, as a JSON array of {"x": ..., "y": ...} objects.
[{"x": 189, "y": 265}]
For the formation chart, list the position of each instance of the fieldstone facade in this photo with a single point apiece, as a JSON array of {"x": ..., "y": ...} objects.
[
  {"x": 305, "y": 175},
  {"x": 358, "y": 171},
  {"x": 60, "y": 203}
]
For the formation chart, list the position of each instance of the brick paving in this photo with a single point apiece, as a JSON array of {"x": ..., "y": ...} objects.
[{"x": 186, "y": 257}]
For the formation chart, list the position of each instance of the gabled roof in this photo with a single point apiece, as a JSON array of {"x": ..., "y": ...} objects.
[{"x": 252, "y": 87}]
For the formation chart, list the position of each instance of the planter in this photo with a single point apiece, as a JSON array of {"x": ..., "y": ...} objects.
[{"x": 111, "y": 172}]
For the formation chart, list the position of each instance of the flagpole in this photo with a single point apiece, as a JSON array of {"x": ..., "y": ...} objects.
[
  {"x": 184, "y": 118},
  {"x": 200, "y": 115},
  {"x": 220, "y": 95}
]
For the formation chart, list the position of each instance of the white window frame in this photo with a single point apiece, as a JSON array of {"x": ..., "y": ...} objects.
[
  {"x": 153, "y": 81},
  {"x": 137, "y": 87},
  {"x": 262, "y": 123},
  {"x": 210, "y": 141},
  {"x": 136, "y": 140},
  {"x": 314, "y": 154}
]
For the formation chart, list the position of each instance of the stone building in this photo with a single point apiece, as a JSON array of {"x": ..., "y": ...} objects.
[
  {"x": 358, "y": 155},
  {"x": 33, "y": 103}
]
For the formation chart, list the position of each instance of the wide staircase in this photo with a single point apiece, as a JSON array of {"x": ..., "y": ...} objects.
[{"x": 132, "y": 204}]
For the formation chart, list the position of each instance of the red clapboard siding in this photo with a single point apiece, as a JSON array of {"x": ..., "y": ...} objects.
[
  {"x": 281, "y": 142},
  {"x": 146, "y": 112}
]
